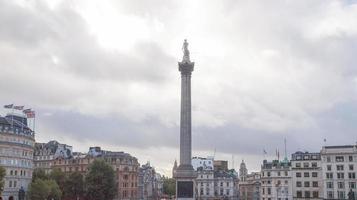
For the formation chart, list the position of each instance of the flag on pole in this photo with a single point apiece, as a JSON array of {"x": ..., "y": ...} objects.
[
  {"x": 265, "y": 152},
  {"x": 30, "y": 114},
  {"x": 19, "y": 107},
  {"x": 27, "y": 110},
  {"x": 9, "y": 106}
]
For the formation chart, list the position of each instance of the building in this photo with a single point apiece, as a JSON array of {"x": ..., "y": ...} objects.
[
  {"x": 46, "y": 153},
  {"x": 150, "y": 184},
  {"x": 205, "y": 182},
  {"x": 243, "y": 171},
  {"x": 276, "y": 182},
  {"x": 204, "y": 163},
  {"x": 125, "y": 166},
  {"x": 249, "y": 187},
  {"x": 17, "y": 142},
  {"x": 306, "y": 175},
  {"x": 221, "y": 165},
  {"x": 226, "y": 184},
  {"x": 339, "y": 168}
]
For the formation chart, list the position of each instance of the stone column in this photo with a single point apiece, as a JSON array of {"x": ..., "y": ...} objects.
[{"x": 185, "y": 175}]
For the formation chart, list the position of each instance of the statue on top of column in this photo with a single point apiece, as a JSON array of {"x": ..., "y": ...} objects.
[{"x": 186, "y": 52}]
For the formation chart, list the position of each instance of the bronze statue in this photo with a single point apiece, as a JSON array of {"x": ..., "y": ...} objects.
[
  {"x": 351, "y": 195},
  {"x": 186, "y": 52}
]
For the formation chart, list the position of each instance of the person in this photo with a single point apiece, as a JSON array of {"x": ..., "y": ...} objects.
[
  {"x": 351, "y": 195},
  {"x": 186, "y": 52}
]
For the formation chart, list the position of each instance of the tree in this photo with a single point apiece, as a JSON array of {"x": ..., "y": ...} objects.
[
  {"x": 169, "y": 186},
  {"x": 2, "y": 176},
  {"x": 44, "y": 189},
  {"x": 100, "y": 181},
  {"x": 39, "y": 174},
  {"x": 58, "y": 176},
  {"x": 74, "y": 186}
]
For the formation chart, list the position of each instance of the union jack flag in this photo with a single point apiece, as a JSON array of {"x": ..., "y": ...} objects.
[
  {"x": 30, "y": 114},
  {"x": 9, "y": 106},
  {"x": 27, "y": 111},
  {"x": 19, "y": 107}
]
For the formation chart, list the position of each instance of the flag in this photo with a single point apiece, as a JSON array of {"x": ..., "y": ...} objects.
[
  {"x": 9, "y": 106},
  {"x": 19, "y": 107},
  {"x": 265, "y": 152},
  {"x": 27, "y": 110},
  {"x": 30, "y": 114}
]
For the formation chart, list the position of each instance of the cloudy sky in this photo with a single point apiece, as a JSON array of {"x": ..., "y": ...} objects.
[{"x": 105, "y": 73}]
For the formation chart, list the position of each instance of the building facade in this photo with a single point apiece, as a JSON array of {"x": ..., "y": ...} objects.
[
  {"x": 249, "y": 187},
  {"x": 306, "y": 175},
  {"x": 276, "y": 181},
  {"x": 17, "y": 142},
  {"x": 46, "y": 153},
  {"x": 339, "y": 168},
  {"x": 125, "y": 166},
  {"x": 150, "y": 185}
]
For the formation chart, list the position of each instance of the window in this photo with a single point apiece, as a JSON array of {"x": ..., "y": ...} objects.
[
  {"x": 314, "y": 164},
  {"x": 314, "y": 174},
  {"x": 329, "y": 185},
  {"x": 315, "y": 184},
  {"x": 350, "y": 167},
  {"x": 330, "y": 194},
  {"x": 328, "y": 158},
  {"x": 278, "y": 173},
  {"x": 339, "y": 167},
  {"x": 329, "y": 175},
  {"x": 286, "y": 173},
  {"x": 298, "y": 165},
  {"x": 10, "y": 184},
  {"x": 352, "y": 185},
  {"x": 269, "y": 190},
  {"x": 341, "y": 194},
  {"x": 350, "y": 158},
  {"x": 340, "y": 185},
  {"x": 315, "y": 194},
  {"x": 306, "y": 164},
  {"x": 306, "y": 184},
  {"x": 298, "y": 194},
  {"x": 306, "y": 174},
  {"x": 351, "y": 175},
  {"x": 268, "y": 174},
  {"x": 340, "y": 175},
  {"x": 339, "y": 159},
  {"x": 307, "y": 194},
  {"x": 298, "y": 184},
  {"x": 328, "y": 167},
  {"x": 298, "y": 174}
]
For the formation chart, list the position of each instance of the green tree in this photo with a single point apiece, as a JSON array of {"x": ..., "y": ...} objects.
[
  {"x": 100, "y": 181},
  {"x": 44, "y": 189},
  {"x": 2, "y": 176},
  {"x": 39, "y": 174},
  {"x": 169, "y": 186},
  {"x": 74, "y": 186},
  {"x": 58, "y": 176}
]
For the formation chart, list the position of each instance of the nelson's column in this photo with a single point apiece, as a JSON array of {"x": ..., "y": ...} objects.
[{"x": 185, "y": 175}]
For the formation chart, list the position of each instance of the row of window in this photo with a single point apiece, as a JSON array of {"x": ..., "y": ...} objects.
[
  {"x": 306, "y": 174},
  {"x": 341, "y": 185},
  {"x": 306, "y": 164},
  {"x": 307, "y": 184},
  {"x": 340, "y": 195},
  {"x": 307, "y": 194},
  {"x": 20, "y": 173},
  {"x": 17, "y": 140},
  {"x": 339, "y": 167},
  {"x": 282, "y": 190},
  {"x": 278, "y": 173},
  {"x": 341, "y": 175},
  {"x": 339, "y": 159},
  {"x": 278, "y": 182},
  {"x": 16, "y": 162},
  {"x": 20, "y": 131}
]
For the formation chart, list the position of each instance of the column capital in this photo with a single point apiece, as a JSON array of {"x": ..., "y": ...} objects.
[{"x": 186, "y": 68}]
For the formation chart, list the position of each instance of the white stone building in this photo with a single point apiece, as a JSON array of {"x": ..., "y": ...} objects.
[
  {"x": 204, "y": 163},
  {"x": 339, "y": 168},
  {"x": 17, "y": 142},
  {"x": 306, "y": 175},
  {"x": 276, "y": 181}
]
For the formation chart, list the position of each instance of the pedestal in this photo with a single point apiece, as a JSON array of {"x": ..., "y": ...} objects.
[{"x": 185, "y": 182}]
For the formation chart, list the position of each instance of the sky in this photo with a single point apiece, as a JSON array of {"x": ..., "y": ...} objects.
[{"x": 105, "y": 73}]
